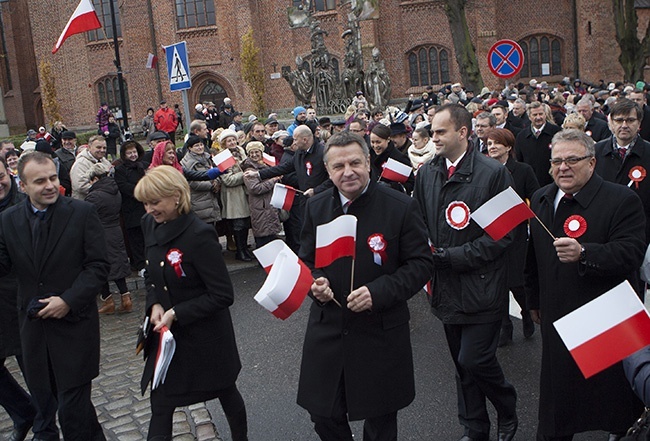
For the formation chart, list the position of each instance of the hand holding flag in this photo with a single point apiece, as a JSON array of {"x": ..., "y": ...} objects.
[
  {"x": 224, "y": 160},
  {"x": 502, "y": 213},
  {"x": 335, "y": 239},
  {"x": 283, "y": 196},
  {"x": 396, "y": 171},
  {"x": 268, "y": 159}
]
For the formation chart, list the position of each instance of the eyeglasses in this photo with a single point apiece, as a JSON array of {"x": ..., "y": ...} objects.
[
  {"x": 625, "y": 120},
  {"x": 556, "y": 162}
]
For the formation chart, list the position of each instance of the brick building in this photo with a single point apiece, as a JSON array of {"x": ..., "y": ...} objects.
[{"x": 573, "y": 38}]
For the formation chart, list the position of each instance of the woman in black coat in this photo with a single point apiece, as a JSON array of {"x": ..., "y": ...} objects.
[
  {"x": 105, "y": 196},
  {"x": 112, "y": 135},
  {"x": 383, "y": 149},
  {"x": 189, "y": 292},
  {"x": 127, "y": 175},
  {"x": 501, "y": 147}
]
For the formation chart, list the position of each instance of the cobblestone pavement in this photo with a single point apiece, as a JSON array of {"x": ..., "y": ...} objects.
[{"x": 122, "y": 410}]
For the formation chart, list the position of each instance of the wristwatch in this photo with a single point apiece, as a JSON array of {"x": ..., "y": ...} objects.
[{"x": 583, "y": 255}]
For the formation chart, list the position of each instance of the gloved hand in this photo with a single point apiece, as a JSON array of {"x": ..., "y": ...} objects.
[
  {"x": 441, "y": 259},
  {"x": 213, "y": 173}
]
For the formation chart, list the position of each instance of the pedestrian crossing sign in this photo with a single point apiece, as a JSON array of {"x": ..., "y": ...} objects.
[{"x": 178, "y": 67}]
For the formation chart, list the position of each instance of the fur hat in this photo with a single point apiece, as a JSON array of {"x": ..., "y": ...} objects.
[
  {"x": 254, "y": 145},
  {"x": 226, "y": 134}
]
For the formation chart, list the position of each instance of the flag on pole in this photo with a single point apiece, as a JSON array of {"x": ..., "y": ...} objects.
[
  {"x": 268, "y": 159},
  {"x": 502, "y": 213},
  {"x": 605, "y": 330},
  {"x": 83, "y": 19},
  {"x": 152, "y": 60},
  {"x": 396, "y": 171},
  {"x": 282, "y": 197},
  {"x": 286, "y": 286},
  {"x": 335, "y": 239},
  {"x": 224, "y": 160},
  {"x": 266, "y": 255}
]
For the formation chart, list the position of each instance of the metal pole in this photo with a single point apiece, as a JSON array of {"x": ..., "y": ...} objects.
[
  {"x": 120, "y": 79},
  {"x": 186, "y": 109}
]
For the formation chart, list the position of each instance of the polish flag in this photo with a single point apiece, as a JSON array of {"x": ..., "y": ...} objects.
[
  {"x": 335, "y": 239},
  {"x": 224, "y": 160},
  {"x": 396, "y": 171},
  {"x": 282, "y": 197},
  {"x": 48, "y": 137},
  {"x": 502, "y": 213},
  {"x": 83, "y": 19},
  {"x": 152, "y": 60},
  {"x": 268, "y": 159},
  {"x": 266, "y": 255},
  {"x": 286, "y": 286},
  {"x": 605, "y": 330}
]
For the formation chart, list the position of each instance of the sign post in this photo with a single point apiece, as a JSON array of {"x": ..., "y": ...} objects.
[
  {"x": 178, "y": 72},
  {"x": 505, "y": 58}
]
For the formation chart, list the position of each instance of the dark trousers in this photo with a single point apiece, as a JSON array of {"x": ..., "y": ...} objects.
[
  {"x": 162, "y": 414},
  {"x": 14, "y": 399},
  {"x": 292, "y": 227},
  {"x": 136, "y": 244},
  {"x": 479, "y": 376},
  {"x": 336, "y": 428},
  {"x": 77, "y": 415},
  {"x": 264, "y": 240}
]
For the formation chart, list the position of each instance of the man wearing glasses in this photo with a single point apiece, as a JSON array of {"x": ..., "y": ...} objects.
[
  {"x": 625, "y": 157},
  {"x": 599, "y": 242}
]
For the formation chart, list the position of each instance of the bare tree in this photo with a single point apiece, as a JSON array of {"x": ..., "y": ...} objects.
[
  {"x": 465, "y": 52},
  {"x": 633, "y": 51}
]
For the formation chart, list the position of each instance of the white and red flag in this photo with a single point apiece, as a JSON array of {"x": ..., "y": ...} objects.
[
  {"x": 396, "y": 171},
  {"x": 283, "y": 196},
  {"x": 224, "y": 160},
  {"x": 266, "y": 255},
  {"x": 335, "y": 240},
  {"x": 286, "y": 286},
  {"x": 605, "y": 330},
  {"x": 83, "y": 19},
  {"x": 268, "y": 159},
  {"x": 152, "y": 60},
  {"x": 502, "y": 213}
]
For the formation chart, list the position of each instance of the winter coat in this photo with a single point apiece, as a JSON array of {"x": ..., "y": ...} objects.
[
  {"x": 148, "y": 127},
  {"x": 114, "y": 134},
  {"x": 205, "y": 202},
  {"x": 127, "y": 176},
  {"x": 166, "y": 120},
  {"x": 9, "y": 333},
  {"x": 106, "y": 198},
  {"x": 80, "y": 170},
  {"x": 233, "y": 190},
  {"x": 614, "y": 243},
  {"x": 206, "y": 358},
  {"x": 474, "y": 289},
  {"x": 536, "y": 152},
  {"x": 370, "y": 349},
  {"x": 377, "y": 164},
  {"x": 264, "y": 217}
]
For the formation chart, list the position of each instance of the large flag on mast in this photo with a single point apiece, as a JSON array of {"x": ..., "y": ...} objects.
[{"x": 83, "y": 19}]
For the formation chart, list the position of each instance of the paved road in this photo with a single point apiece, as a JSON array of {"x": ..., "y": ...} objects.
[{"x": 270, "y": 350}]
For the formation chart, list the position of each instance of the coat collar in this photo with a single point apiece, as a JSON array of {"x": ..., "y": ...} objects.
[
  {"x": 359, "y": 202},
  {"x": 465, "y": 169},
  {"x": 166, "y": 232},
  {"x": 584, "y": 197}
]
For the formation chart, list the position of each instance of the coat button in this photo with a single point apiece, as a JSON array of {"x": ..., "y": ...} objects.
[
  {"x": 165, "y": 288},
  {"x": 345, "y": 332},
  {"x": 146, "y": 262},
  {"x": 162, "y": 263}
]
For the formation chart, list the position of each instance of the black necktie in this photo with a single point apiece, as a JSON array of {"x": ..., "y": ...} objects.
[{"x": 39, "y": 233}]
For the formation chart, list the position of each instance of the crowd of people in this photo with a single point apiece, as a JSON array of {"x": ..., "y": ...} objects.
[{"x": 159, "y": 208}]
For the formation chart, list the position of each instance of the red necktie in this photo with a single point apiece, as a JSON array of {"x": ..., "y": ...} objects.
[
  {"x": 622, "y": 151},
  {"x": 450, "y": 171}
]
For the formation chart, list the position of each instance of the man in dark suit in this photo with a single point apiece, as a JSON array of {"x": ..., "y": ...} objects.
[
  {"x": 640, "y": 98},
  {"x": 500, "y": 112},
  {"x": 57, "y": 249},
  {"x": 533, "y": 144},
  {"x": 596, "y": 128},
  {"x": 357, "y": 360},
  {"x": 605, "y": 248}
]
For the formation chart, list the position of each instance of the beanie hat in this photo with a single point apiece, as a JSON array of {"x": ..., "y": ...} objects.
[
  {"x": 192, "y": 140},
  {"x": 254, "y": 145},
  {"x": 298, "y": 110}
]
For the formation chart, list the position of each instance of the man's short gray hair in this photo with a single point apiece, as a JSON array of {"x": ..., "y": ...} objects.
[{"x": 576, "y": 136}]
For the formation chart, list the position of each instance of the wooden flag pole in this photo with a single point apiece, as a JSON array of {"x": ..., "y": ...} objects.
[{"x": 547, "y": 230}]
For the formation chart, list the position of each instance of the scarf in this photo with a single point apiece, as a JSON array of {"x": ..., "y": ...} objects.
[{"x": 419, "y": 157}]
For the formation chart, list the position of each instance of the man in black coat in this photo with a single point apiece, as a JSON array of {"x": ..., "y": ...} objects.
[
  {"x": 581, "y": 262},
  {"x": 57, "y": 250},
  {"x": 357, "y": 360},
  {"x": 640, "y": 98},
  {"x": 596, "y": 128},
  {"x": 625, "y": 157},
  {"x": 469, "y": 284},
  {"x": 533, "y": 144}
]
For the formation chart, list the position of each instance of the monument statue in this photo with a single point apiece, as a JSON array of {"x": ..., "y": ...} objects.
[
  {"x": 377, "y": 82},
  {"x": 301, "y": 82}
]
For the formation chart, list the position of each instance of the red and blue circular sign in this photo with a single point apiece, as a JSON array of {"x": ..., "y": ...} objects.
[{"x": 505, "y": 58}]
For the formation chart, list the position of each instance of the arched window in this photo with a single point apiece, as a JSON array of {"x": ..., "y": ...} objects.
[
  {"x": 542, "y": 56},
  {"x": 428, "y": 65},
  {"x": 212, "y": 92},
  {"x": 195, "y": 13},
  {"x": 103, "y": 10},
  {"x": 108, "y": 90}
]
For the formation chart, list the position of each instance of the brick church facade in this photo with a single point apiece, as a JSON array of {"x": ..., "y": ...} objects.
[{"x": 572, "y": 38}]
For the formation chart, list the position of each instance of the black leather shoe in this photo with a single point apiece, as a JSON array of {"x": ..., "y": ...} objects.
[
  {"x": 507, "y": 430},
  {"x": 19, "y": 433}
]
